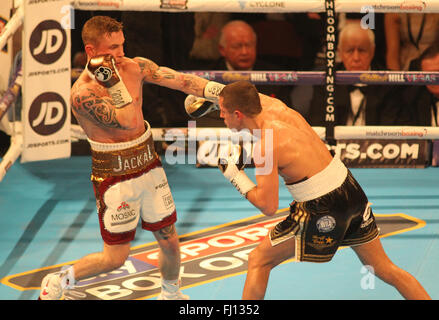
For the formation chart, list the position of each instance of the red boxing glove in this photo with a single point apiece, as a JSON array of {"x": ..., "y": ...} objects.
[{"x": 103, "y": 69}]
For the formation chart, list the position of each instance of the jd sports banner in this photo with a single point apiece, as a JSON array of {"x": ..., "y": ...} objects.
[
  {"x": 46, "y": 86},
  {"x": 384, "y": 153}
]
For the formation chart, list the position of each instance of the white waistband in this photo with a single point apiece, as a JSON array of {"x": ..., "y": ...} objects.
[
  {"x": 103, "y": 147},
  {"x": 320, "y": 184}
]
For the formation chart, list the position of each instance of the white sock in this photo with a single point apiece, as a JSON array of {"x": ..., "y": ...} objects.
[
  {"x": 170, "y": 286},
  {"x": 67, "y": 277}
]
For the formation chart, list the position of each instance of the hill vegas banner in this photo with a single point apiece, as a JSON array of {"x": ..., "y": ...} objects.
[{"x": 46, "y": 85}]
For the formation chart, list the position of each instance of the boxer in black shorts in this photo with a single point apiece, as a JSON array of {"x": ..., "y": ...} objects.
[
  {"x": 341, "y": 217},
  {"x": 329, "y": 210}
]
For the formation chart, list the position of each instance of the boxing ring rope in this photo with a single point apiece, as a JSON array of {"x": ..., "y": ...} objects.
[
  {"x": 276, "y": 6},
  {"x": 318, "y": 77},
  {"x": 341, "y": 132},
  {"x": 379, "y": 6},
  {"x": 12, "y": 26},
  {"x": 259, "y": 77}
]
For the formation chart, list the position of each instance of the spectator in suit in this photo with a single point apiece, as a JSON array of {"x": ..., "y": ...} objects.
[
  {"x": 237, "y": 47},
  {"x": 358, "y": 104},
  {"x": 421, "y": 103}
]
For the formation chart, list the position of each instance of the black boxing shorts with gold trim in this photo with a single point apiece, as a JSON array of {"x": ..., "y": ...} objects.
[
  {"x": 330, "y": 210},
  {"x": 129, "y": 183}
]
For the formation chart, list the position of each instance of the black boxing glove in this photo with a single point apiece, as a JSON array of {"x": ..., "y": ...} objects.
[{"x": 103, "y": 70}]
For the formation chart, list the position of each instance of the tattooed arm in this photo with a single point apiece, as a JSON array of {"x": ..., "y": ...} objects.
[
  {"x": 166, "y": 232},
  {"x": 163, "y": 76},
  {"x": 90, "y": 103}
]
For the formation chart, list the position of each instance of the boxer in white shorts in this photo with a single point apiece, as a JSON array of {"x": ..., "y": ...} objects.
[{"x": 129, "y": 181}]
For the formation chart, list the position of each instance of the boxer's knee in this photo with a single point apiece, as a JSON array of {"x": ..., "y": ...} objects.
[
  {"x": 167, "y": 239},
  {"x": 114, "y": 256},
  {"x": 258, "y": 259}
]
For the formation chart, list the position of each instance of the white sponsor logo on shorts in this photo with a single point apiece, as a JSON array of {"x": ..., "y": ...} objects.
[
  {"x": 123, "y": 215},
  {"x": 326, "y": 224},
  {"x": 367, "y": 217}
]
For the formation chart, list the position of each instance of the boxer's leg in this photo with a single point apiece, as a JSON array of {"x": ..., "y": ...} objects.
[
  {"x": 261, "y": 260},
  {"x": 372, "y": 254},
  {"x": 169, "y": 255},
  {"x": 111, "y": 257},
  {"x": 169, "y": 263},
  {"x": 159, "y": 216}
]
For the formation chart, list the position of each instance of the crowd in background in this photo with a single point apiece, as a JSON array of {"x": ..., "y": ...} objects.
[{"x": 286, "y": 42}]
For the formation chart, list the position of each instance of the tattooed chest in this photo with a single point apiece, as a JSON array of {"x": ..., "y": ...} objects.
[{"x": 96, "y": 105}]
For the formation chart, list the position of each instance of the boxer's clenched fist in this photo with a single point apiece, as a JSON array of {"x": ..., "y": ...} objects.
[
  {"x": 103, "y": 69},
  {"x": 232, "y": 168}
]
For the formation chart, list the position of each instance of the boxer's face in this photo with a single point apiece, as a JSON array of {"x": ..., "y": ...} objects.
[
  {"x": 113, "y": 44},
  {"x": 231, "y": 119},
  {"x": 356, "y": 51},
  {"x": 431, "y": 64}
]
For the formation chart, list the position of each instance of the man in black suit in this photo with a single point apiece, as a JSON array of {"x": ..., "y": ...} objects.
[
  {"x": 238, "y": 49},
  {"x": 421, "y": 106},
  {"x": 357, "y": 104}
]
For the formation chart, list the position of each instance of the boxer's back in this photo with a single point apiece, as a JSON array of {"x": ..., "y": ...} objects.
[{"x": 300, "y": 153}]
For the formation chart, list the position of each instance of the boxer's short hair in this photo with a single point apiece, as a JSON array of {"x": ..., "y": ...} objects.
[
  {"x": 99, "y": 26},
  {"x": 242, "y": 96}
]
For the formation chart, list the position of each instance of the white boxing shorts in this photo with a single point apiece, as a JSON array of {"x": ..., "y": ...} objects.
[{"x": 130, "y": 183}]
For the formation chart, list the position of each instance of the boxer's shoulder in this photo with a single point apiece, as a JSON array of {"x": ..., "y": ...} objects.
[
  {"x": 85, "y": 87},
  {"x": 131, "y": 63},
  {"x": 144, "y": 65}
]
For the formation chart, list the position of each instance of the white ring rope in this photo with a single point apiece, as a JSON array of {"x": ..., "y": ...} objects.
[
  {"x": 263, "y": 6},
  {"x": 340, "y": 133},
  {"x": 12, "y": 26}
]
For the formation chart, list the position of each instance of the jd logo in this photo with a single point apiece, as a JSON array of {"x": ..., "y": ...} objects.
[
  {"x": 47, "y": 113},
  {"x": 48, "y": 42}
]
